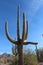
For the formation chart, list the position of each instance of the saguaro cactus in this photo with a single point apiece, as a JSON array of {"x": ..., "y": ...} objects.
[{"x": 20, "y": 42}]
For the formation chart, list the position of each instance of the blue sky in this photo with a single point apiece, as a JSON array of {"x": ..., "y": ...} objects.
[{"x": 34, "y": 15}]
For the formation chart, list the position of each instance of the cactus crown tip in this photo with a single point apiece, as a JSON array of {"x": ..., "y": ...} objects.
[
  {"x": 19, "y": 6},
  {"x": 6, "y": 22}
]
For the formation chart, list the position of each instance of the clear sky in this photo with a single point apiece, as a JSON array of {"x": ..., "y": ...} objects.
[{"x": 34, "y": 15}]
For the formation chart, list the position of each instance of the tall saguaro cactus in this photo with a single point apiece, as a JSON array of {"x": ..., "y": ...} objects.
[{"x": 20, "y": 42}]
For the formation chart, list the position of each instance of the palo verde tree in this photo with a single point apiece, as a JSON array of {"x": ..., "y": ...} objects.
[{"x": 20, "y": 42}]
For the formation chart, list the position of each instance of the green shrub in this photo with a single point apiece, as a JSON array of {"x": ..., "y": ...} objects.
[
  {"x": 1, "y": 60},
  {"x": 30, "y": 58},
  {"x": 40, "y": 54}
]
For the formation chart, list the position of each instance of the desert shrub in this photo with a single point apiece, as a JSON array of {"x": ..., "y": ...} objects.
[
  {"x": 30, "y": 58},
  {"x": 8, "y": 60},
  {"x": 15, "y": 61},
  {"x": 1, "y": 60},
  {"x": 12, "y": 61},
  {"x": 40, "y": 54}
]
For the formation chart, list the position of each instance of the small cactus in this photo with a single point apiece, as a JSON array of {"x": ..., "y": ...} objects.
[{"x": 20, "y": 42}]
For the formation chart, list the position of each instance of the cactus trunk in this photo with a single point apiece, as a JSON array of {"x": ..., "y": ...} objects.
[{"x": 20, "y": 55}]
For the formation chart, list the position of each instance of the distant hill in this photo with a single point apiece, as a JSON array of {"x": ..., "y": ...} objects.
[
  {"x": 6, "y": 59},
  {"x": 5, "y": 55}
]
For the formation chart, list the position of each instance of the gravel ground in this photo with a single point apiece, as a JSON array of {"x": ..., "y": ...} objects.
[
  {"x": 4, "y": 64},
  {"x": 41, "y": 63}
]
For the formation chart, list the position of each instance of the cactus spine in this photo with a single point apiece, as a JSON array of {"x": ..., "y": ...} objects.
[{"x": 20, "y": 42}]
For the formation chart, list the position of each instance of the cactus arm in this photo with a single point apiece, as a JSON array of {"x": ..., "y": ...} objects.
[
  {"x": 26, "y": 30},
  {"x": 18, "y": 23},
  {"x": 33, "y": 43},
  {"x": 7, "y": 34},
  {"x": 24, "y": 27}
]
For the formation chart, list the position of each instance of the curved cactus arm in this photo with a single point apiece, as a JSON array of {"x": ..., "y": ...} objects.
[
  {"x": 18, "y": 23},
  {"x": 24, "y": 27},
  {"x": 33, "y": 43},
  {"x": 7, "y": 34},
  {"x": 26, "y": 30}
]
